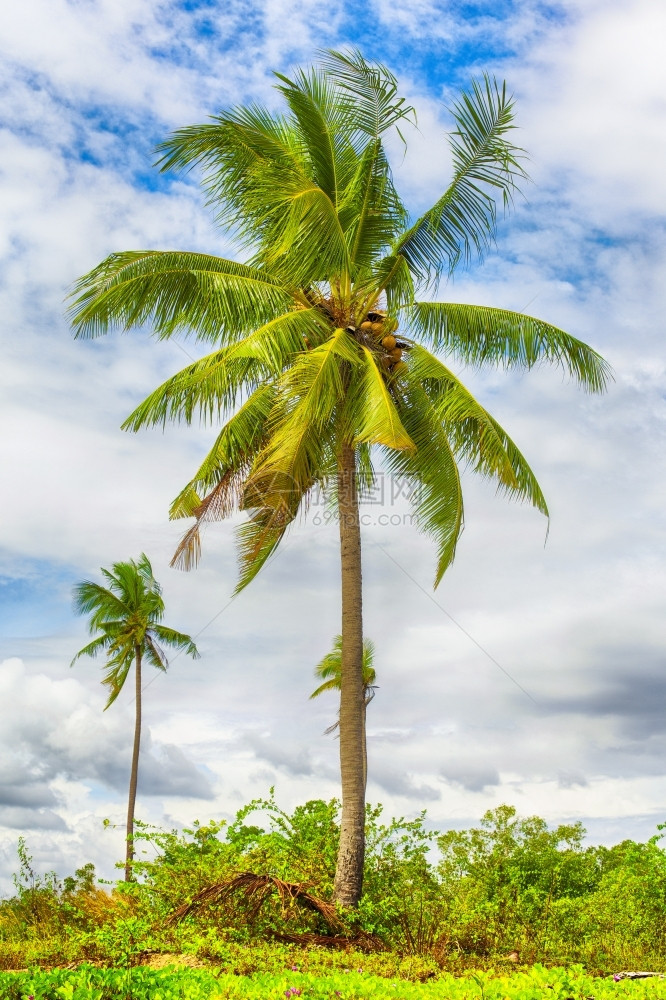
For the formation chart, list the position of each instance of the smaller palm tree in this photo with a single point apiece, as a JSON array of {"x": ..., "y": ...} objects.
[
  {"x": 330, "y": 671},
  {"x": 125, "y": 619}
]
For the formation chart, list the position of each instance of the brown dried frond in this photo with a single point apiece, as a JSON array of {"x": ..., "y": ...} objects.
[
  {"x": 219, "y": 503},
  {"x": 188, "y": 553},
  {"x": 259, "y": 887}
]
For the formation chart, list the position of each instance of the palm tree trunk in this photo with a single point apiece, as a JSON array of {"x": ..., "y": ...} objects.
[
  {"x": 348, "y": 883},
  {"x": 134, "y": 773},
  {"x": 365, "y": 751}
]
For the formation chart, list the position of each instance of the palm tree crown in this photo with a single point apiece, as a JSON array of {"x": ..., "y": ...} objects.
[
  {"x": 328, "y": 354},
  {"x": 329, "y": 670}
]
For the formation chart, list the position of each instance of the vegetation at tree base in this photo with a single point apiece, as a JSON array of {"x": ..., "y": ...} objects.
[
  {"x": 306, "y": 335},
  {"x": 125, "y": 619},
  {"x": 434, "y": 903}
]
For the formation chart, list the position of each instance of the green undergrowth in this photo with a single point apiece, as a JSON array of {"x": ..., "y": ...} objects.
[
  {"x": 539, "y": 983},
  {"x": 432, "y": 902}
]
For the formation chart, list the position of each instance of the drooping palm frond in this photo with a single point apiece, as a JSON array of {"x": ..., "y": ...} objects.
[
  {"x": 217, "y": 487},
  {"x": 432, "y": 472},
  {"x": 377, "y": 420},
  {"x": 177, "y": 640},
  {"x": 484, "y": 335},
  {"x": 310, "y": 390},
  {"x": 211, "y": 386},
  {"x": 486, "y": 164},
  {"x": 475, "y": 437},
  {"x": 209, "y": 297}
]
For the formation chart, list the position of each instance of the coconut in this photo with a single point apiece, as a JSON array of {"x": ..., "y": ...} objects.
[
  {"x": 366, "y": 325},
  {"x": 389, "y": 342},
  {"x": 399, "y": 368},
  {"x": 377, "y": 328},
  {"x": 396, "y": 353}
]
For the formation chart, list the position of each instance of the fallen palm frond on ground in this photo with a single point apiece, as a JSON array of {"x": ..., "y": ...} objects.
[{"x": 259, "y": 888}]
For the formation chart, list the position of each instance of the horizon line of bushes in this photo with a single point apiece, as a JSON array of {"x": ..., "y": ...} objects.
[{"x": 435, "y": 901}]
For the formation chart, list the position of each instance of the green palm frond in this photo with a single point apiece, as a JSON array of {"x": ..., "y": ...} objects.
[
  {"x": 370, "y": 104},
  {"x": 318, "y": 115},
  {"x": 392, "y": 278},
  {"x": 329, "y": 668},
  {"x": 484, "y": 335},
  {"x": 98, "y": 645},
  {"x": 116, "y": 671},
  {"x": 475, "y": 437},
  {"x": 371, "y": 212},
  {"x": 260, "y": 536},
  {"x": 99, "y": 602},
  {"x": 309, "y": 393},
  {"x": 212, "y": 385},
  {"x": 177, "y": 640},
  {"x": 377, "y": 420},
  {"x": 212, "y": 298},
  {"x": 433, "y": 473},
  {"x": 486, "y": 165},
  {"x": 264, "y": 136},
  {"x": 237, "y": 444},
  {"x": 305, "y": 243}
]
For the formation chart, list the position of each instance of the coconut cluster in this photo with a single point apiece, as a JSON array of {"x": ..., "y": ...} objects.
[{"x": 381, "y": 329}]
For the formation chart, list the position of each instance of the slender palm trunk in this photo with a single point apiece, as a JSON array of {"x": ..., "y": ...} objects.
[
  {"x": 365, "y": 752},
  {"x": 134, "y": 773},
  {"x": 349, "y": 871}
]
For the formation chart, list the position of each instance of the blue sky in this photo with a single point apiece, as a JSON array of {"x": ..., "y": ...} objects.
[{"x": 87, "y": 90}]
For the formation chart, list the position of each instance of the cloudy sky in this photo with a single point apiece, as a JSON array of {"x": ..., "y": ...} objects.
[{"x": 536, "y": 674}]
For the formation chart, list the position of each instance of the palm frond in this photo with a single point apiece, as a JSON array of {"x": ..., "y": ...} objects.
[
  {"x": 393, "y": 277},
  {"x": 377, "y": 420},
  {"x": 97, "y": 645},
  {"x": 484, "y": 335},
  {"x": 309, "y": 393},
  {"x": 461, "y": 224},
  {"x": 212, "y": 385},
  {"x": 222, "y": 474},
  {"x": 475, "y": 437},
  {"x": 371, "y": 212},
  {"x": 259, "y": 537},
  {"x": 209, "y": 297},
  {"x": 371, "y": 102},
  {"x": 432, "y": 471},
  {"x": 312, "y": 102},
  {"x": 177, "y": 640}
]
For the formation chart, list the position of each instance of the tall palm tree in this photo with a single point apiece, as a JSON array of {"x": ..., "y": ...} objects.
[
  {"x": 125, "y": 617},
  {"x": 325, "y": 359},
  {"x": 329, "y": 670}
]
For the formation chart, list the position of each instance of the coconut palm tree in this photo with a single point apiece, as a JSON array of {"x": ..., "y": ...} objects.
[
  {"x": 125, "y": 617},
  {"x": 328, "y": 354},
  {"x": 329, "y": 670}
]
